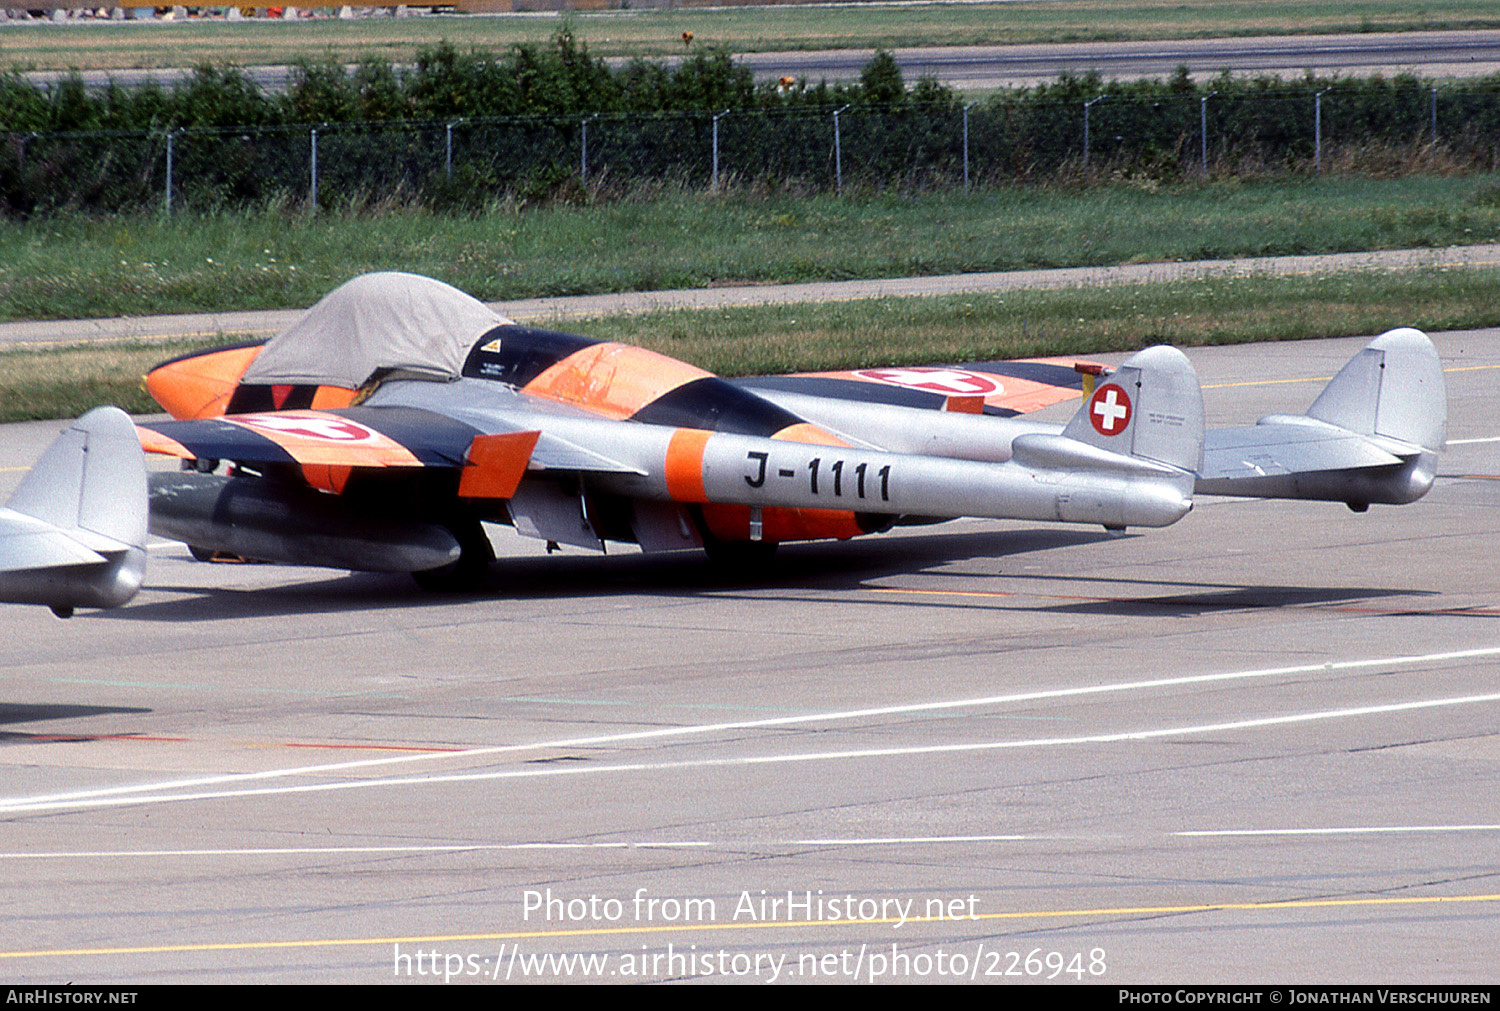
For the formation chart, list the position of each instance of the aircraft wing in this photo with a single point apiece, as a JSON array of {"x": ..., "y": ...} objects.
[
  {"x": 606, "y": 442},
  {"x": 354, "y": 437},
  {"x": 376, "y": 437},
  {"x": 998, "y": 388}
]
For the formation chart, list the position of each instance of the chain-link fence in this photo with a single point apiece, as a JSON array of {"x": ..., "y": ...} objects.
[{"x": 466, "y": 162}]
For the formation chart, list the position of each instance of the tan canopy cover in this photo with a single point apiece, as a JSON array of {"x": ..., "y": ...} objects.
[{"x": 409, "y": 325}]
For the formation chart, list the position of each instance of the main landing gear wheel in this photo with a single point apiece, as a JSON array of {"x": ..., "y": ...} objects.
[
  {"x": 740, "y": 556},
  {"x": 468, "y": 573},
  {"x": 202, "y": 554}
]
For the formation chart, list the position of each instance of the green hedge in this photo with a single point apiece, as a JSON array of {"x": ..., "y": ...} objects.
[{"x": 458, "y": 129}]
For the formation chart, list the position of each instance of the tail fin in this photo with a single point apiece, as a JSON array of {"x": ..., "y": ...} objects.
[
  {"x": 1151, "y": 407},
  {"x": 74, "y": 532},
  {"x": 1392, "y": 388},
  {"x": 1128, "y": 456}
]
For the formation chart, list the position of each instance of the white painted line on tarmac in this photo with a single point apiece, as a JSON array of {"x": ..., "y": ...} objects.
[
  {"x": 66, "y": 799},
  {"x": 1339, "y": 830},
  {"x": 48, "y": 804},
  {"x": 440, "y": 849}
]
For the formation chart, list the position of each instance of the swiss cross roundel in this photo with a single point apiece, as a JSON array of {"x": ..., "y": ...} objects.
[
  {"x": 948, "y": 382},
  {"x": 1109, "y": 409},
  {"x": 311, "y": 426}
]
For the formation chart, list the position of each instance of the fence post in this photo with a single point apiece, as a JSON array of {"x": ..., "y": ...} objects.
[
  {"x": 717, "y": 116},
  {"x": 448, "y": 151},
  {"x": 966, "y": 147},
  {"x": 1318, "y": 131},
  {"x": 584, "y": 157},
  {"x": 170, "y": 135},
  {"x": 838, "y": 151},
  {"x": 1434, "y": 113},
  {"x": 1086, "y": 107},
  {"x": 312, "y": 189},
  {"x": 1203, "y": 129}
]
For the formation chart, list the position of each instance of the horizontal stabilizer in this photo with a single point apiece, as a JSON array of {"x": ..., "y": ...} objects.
[
  {"x": 28, "y": 543},
  {"x": 74, "y": 533}
]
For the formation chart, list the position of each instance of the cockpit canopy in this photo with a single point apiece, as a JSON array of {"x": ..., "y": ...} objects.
[
  {"x": 386, "y": 325},
  {"x": 373, "y": 328}
]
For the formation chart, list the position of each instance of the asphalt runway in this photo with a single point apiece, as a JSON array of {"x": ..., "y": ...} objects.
[
  {"x": 1260, "y": 745},
  {"x": 1441, "y": 55},
  {"x": 1448, "y": 54}
]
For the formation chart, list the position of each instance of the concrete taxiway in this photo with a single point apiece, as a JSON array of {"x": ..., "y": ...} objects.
[{"x": 1260, "y": 745}]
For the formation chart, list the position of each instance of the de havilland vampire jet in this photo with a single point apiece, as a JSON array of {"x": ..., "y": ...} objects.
[{"x": 399, "y": 414}]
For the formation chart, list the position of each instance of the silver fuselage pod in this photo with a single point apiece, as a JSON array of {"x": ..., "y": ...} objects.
[
  {"x": 74, "y": 533},
  {"x": 1373, "y": 435}
]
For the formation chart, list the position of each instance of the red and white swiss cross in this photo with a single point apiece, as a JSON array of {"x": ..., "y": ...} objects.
[
  {"x": 1109, "y": 410},
  {"x": 948, "y": 382},
  {"x": 309, "y": 425}
]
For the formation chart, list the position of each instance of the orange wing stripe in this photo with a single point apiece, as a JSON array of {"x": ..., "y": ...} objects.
[
  {"x": 311, "y": 437},
  {"x": 326, "y": 397},
  {"x": 155, "y": 442},
  {"x": 964, "y": 405},
  {"x": 496, "y": 464},
  {"x": 327, "y": 477}
]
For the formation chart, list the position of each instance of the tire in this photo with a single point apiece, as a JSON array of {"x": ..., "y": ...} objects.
[{"x": 740, "y": 556}]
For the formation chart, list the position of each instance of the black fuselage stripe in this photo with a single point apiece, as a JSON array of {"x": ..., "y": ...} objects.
[
  {"x": 845, "y": 389},
  {"x": 860, "y": 391},
  {"x": 1064, "y": 376},
  {"x": 716, "y": 405}
]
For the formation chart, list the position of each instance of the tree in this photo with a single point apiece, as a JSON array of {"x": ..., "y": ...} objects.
[{"x": 880, "y": 82}]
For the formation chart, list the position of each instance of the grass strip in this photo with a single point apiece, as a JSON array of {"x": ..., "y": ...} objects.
[
  {"x": 1075, "y": 321},
  {"x": 111, "y": 46},
  {"x": 793, "y": 338},
  {"x": 66, "y": 382},
  {"x": 75, "y": 267}
]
